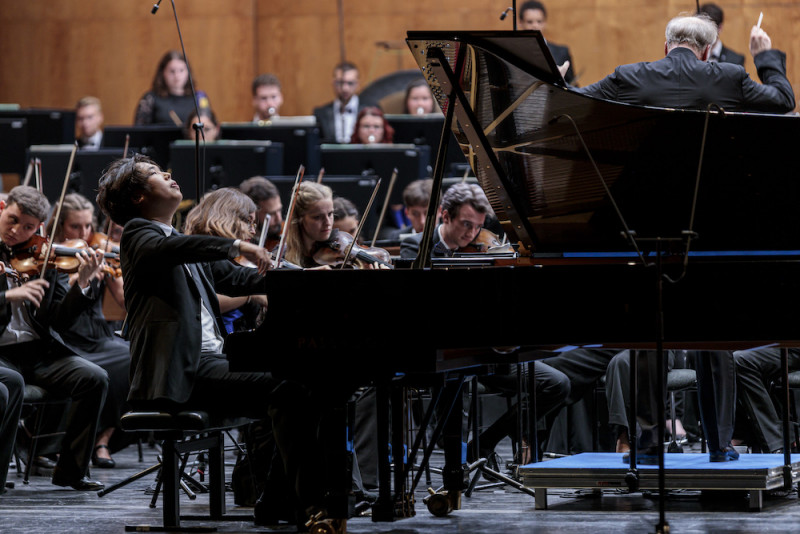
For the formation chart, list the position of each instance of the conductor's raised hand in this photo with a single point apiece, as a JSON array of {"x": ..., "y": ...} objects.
[{"x": 759, "y": 41}]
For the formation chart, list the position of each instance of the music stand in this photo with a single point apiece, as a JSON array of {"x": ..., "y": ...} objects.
[
  {"x": 13, "y": 139},
  {"x": 411, "y": 161},
  {"x": 427, "y": 130},
  {"x": 299, "y": 136},
  {"x": 87, "y": 169},
  {"x": 227, "y": 163},
  {"x": 152, "y": 140},
  {"x": 46, "y": 126}
]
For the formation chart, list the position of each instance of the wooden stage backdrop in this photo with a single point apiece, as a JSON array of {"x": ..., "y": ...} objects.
[{"x": 54, "y": 52}]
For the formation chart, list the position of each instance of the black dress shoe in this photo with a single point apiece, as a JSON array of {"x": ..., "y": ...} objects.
[
  {"x": 82, "y": 484},
  {"x": 103, "y": 463}
]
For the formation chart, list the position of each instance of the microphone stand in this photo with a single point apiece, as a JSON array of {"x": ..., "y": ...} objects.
[{"x": 199, "y": 171}]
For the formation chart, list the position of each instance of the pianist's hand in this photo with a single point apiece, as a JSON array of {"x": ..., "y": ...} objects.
[
  {"x": 260, "y": 300},
  {"x": 258, "y": 255},
  {"x": 759, "y": 41}
]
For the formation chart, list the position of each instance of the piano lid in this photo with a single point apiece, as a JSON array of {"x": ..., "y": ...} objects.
[{"x": 518, "y": 125}]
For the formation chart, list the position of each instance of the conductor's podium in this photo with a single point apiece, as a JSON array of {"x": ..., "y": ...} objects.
[{"x": 755, "y": 473}]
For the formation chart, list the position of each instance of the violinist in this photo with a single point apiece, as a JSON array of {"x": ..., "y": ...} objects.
[
  {"x": 31, "y": 315},
  {"x": 464, "y": 209},
  {"x": 345, "y": 215},
  {"x": 227, "y": 212},
  {"x": 175, "y": 329},
  {"x": 91, "y": 332},
  {"x": 268, "y": 202},
  {"x": 311, "y": 240}
]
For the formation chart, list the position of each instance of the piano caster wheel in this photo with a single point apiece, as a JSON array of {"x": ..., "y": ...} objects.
[
  {"x": 439, "y": 504},
  {"x": 674, "y": 447},
  {"x": 317, "y": 525},
  {"x": 632, "y": 481}
]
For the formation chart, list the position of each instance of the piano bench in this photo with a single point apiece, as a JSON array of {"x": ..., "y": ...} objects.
[{"x": 182, "y": 433}]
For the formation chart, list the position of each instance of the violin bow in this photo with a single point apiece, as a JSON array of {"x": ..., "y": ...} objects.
[
  {"x": 264, "y": 227},
  {"x": 29, "y": 171},
  {"x": 289, "y": 213},
  {"x": 361, "y": 223},
  {"x": 385, "y": 204},
  {"x": 320, "y": 175},
  {"x": 57, "y": 214},
  {"x": 127, "y": 142}
]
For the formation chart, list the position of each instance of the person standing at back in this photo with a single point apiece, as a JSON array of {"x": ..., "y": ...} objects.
[
  {"x": 337, "y": 119},
  {"x": 719, "y": 52}
]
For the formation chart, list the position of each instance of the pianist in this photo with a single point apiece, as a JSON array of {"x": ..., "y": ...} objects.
[{"x": 175, "y": 328}]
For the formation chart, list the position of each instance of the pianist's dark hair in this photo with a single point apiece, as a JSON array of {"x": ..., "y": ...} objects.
[
  {"x": 119, "y": 185},
  {"x": 532, "y": 4},
  {"x": 462, "y": 193},
  {"x": 695, "y": 31}
]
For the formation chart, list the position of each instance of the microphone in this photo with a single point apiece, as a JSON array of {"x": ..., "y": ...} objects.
[
  {"x": 505, "y": 13},
  {"x": 371, "y": 139},
  {"x": 155, "y": 7}
]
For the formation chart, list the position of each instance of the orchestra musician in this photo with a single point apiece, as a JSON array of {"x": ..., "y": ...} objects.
[
  {"x": 345, "y": 215},
  {"x": 170, "y": 99},
  {"x": 372, "y": 127},
  {"x": 418, "y": 99},
  {"x": 533, "y": 16},
  {"x": 91, "y": 332},
  {"x": 31, "y": 315},
  {"x": 175, "y": 330},
  {"x": 267, "y": 97},
  {"x": 268, "y": 202},
  {"x": 684, "y": 79},
  {"x": 227, "y": 212},
  {"x": 337, "y": 119}
]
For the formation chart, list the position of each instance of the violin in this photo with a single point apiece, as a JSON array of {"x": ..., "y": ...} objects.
[
  {"x": 100, "y": 241},
  {"x": 12, "y": 273},
  {"x": 487, "y": 242},
  {"x": 332, "y": 252},
  {"x": 28, "y": 258}
]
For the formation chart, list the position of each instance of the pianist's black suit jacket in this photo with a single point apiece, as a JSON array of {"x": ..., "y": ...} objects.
[
  {"x": 680, "y": 80},
  {"x": 164, "y": 304}
]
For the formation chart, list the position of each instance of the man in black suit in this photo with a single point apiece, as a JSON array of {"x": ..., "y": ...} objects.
[
  {"x": 176, "y": 330},
  {"x": 719, "y": 52},
  {"x": 337, "y": 119},
  {"x": 684, "y": 79},
  {"x": 31, "y": 313},
  {"x": 533, "y": 16}
]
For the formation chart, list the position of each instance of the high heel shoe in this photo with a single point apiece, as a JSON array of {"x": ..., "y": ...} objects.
[{"x": 103, "y": 463}]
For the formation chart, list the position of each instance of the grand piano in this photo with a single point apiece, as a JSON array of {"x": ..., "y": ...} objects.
[{"x": 636, "y": 227}]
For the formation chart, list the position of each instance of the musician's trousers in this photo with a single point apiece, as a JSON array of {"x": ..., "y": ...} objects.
[
  {"x": 12, "y": 388},
  {"x": 756, "y": 370},
  {"x": 41, "y": 363}
]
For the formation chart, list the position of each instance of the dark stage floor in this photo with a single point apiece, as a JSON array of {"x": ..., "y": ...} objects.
[{"x": 42, "y": 507}]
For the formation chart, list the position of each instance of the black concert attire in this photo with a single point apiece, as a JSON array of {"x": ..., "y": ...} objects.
[
  {"x": 720, "y": 52},
  {"x": 176, "y": 332},
  {"x": 681, "y": 80},
  {"x": 92, "y": 334},
  {"x": 756, "y": 372},
  {"x": 329, "y": 114},
  {"x": 30, "y": 344},
  {"x": 155, "y": 109}
]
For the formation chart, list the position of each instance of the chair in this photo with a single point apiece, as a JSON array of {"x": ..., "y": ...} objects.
[
  {"x": 36, "y": 400},
  {"x": 180, "y": 434}
]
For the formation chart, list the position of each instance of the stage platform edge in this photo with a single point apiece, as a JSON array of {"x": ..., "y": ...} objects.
[{"x": 756, "y": 473}]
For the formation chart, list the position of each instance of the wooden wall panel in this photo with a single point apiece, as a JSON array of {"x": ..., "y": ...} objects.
[{"x": 55, "y": 52}]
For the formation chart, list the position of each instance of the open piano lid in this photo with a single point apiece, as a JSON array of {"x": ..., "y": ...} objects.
[{"x": 513, "y": 118}]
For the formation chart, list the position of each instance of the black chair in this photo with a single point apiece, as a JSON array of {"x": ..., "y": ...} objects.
[
  {"x": 181, "y": 434},
  {"x": 36, "y": 402}
]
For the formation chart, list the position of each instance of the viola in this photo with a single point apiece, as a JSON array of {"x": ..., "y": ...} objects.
[
  {"x": 487, "y": 242},
  {"x": 100, "y": 241},
  {"x": 332, "y": 252}
]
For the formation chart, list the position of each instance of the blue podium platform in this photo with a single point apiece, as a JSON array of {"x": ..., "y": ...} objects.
[{"x": 755, "y": 473}]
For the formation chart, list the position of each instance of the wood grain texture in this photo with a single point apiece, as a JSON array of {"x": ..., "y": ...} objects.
[{"x": 56, "y": 52}]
